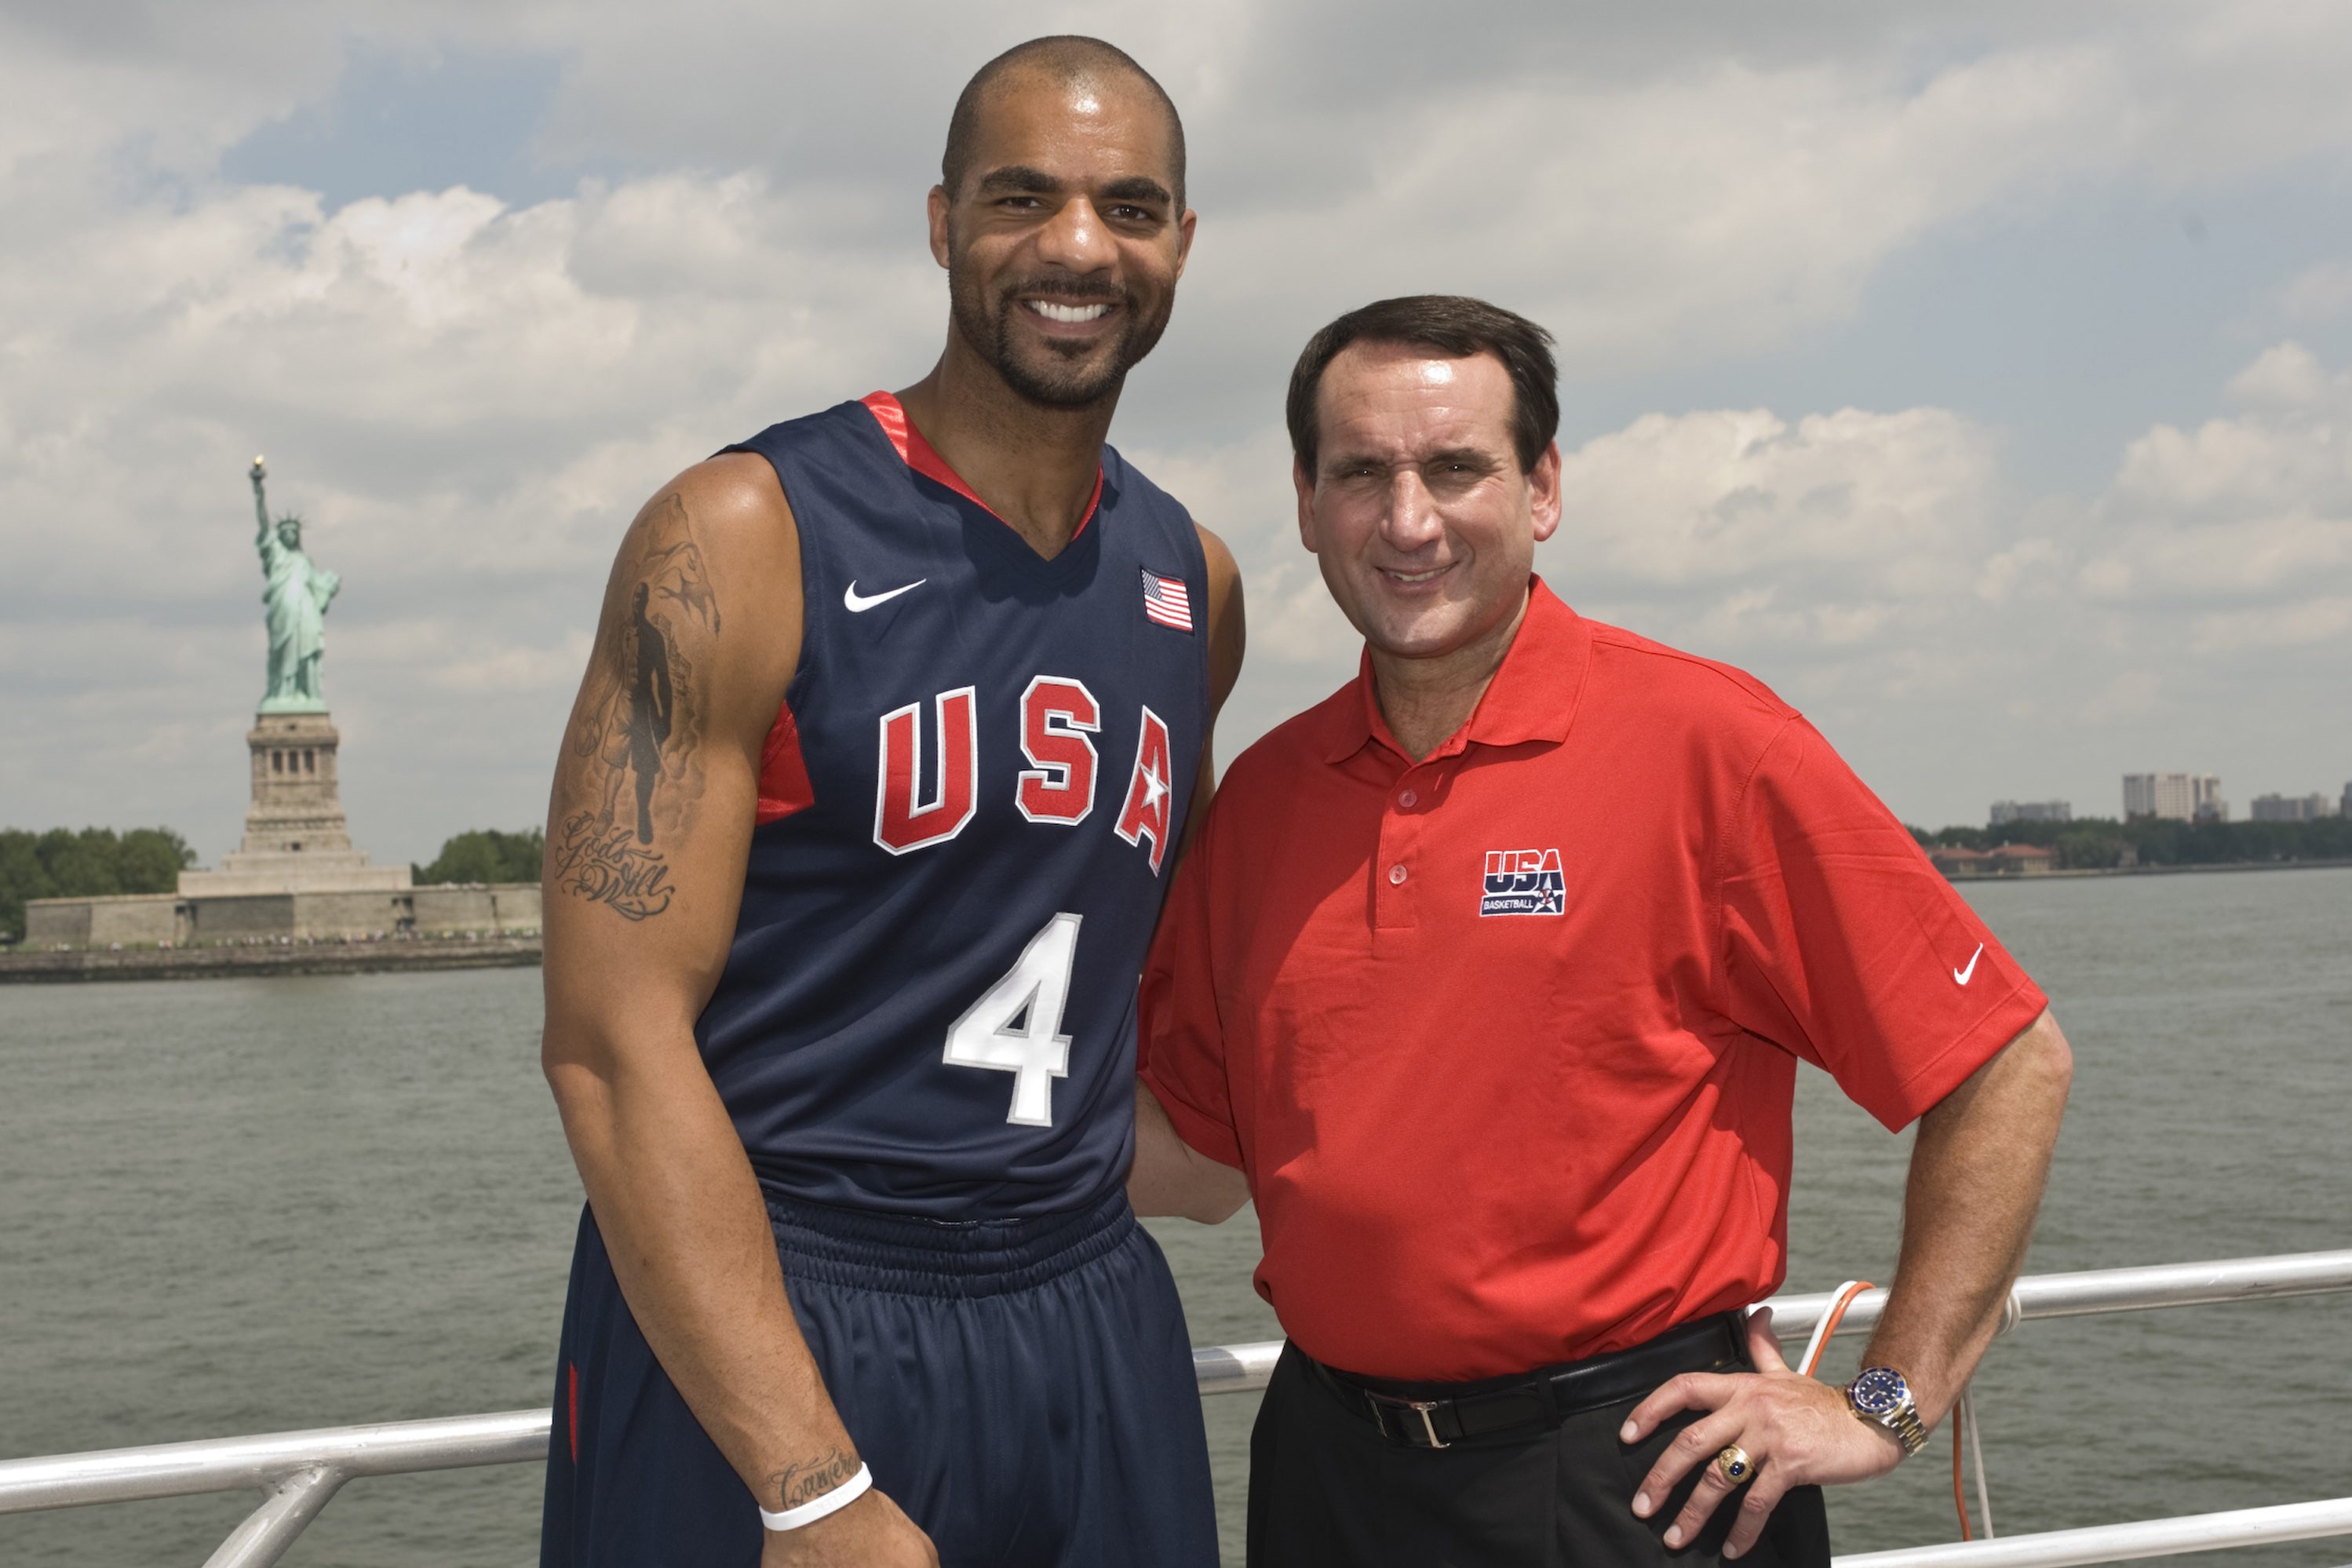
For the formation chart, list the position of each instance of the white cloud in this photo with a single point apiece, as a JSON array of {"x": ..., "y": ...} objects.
[
  {"x": 466, "y": 401},
  {"x": 2286, "y": 376},
  {"x": 1745, "y": 536},
  {"x": 467, "y": 397},
  {"x": 2318, "y": 293},
  {"x": 2026, "y": 563},
  {"x": 2302, "y": 624},
  {"x": 1889, "y": 499},
  {"x": 1757, "y": 538},
  {"x": 1714, "y": 210},
  {"x": 2253, "y": 508}
]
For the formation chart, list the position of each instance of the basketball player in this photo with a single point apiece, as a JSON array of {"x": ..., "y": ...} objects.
[{"x": 844, "y": 1044}]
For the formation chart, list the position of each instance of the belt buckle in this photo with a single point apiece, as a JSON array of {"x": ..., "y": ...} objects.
[{"x": 1420, "y": 1407}]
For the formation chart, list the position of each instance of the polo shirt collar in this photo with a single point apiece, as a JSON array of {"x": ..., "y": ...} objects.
[{"x": 1533, "y": 696}]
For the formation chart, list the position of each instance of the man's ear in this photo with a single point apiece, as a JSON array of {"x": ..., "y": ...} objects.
[
  {"x": 1184, "y": 227},
  {"x": 1543, "y": 497},
  {"x": 1305, "y": 484},
  {"x": 936, "y": 205}
]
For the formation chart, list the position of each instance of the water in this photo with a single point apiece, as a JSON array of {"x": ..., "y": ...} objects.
[{"x": 233, "y": 1206}]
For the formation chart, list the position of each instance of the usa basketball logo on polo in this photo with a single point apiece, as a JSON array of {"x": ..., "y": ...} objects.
[{"x": 1524, "y": 882}]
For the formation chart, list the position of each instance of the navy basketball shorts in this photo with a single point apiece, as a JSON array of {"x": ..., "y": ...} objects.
[{"x": 1022, "y": 1388}]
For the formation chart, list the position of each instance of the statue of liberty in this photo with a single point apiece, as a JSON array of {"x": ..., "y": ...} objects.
[{"x": 294, "y": 596}]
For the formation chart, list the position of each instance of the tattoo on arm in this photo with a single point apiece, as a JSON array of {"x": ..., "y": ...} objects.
[
  {"x": 637, "y": 730},
  {"x": 812, "y": 1478}
]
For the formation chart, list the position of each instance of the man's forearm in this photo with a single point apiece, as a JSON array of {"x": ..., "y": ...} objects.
[
  {"x": 1978, "y": 1169},
  {"x": 1170, "y": 1177},
  {"x": 688, "y": 1234}
]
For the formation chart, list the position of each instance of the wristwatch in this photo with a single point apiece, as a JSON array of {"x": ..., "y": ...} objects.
[{"x": 1879, "y": 1395}]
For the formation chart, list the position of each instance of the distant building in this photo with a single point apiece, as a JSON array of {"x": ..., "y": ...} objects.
[
  {"x": 1958, "y": 860},
  {"x": 2175, "y": 797},
  {"x": 2008, "y": 860},
  {"x": 2022, "y": 860},
  {"x": 2292, "y": 807},
  {"x": 2348, "y": 800},
  {"x": 2008, "y": 811}
]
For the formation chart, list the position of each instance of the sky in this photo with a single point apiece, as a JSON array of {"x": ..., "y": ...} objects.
[{"x": 1981, "y": 379}]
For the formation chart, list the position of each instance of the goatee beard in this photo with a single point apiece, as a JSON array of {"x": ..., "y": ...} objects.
[{"x": 990, "y": 334}]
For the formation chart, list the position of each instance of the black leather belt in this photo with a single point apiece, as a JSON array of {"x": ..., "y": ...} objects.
[{"x": 1439, "y": 1415}]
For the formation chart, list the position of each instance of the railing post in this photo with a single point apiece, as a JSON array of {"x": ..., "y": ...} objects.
[{"x": 287, "y": 1508}]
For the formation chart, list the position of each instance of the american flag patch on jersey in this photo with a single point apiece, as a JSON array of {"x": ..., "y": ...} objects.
[{"x": 1165, "y": 601}]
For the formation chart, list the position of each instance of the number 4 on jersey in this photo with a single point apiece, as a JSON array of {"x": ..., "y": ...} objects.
[{"x": 1031, "y": 994}]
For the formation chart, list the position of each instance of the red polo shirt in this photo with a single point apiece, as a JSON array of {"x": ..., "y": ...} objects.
[{"x": 1505, "y": 1039}]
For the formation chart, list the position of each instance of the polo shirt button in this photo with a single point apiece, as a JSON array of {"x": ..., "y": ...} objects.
[
  {"x": 1396, "y": 874},
  {"x": 1408, "y": 800}
]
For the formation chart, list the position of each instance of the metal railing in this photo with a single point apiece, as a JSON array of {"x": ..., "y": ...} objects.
[
  {"x": 298, "y": 1472},
  {"x": 2117, "y": 1542}
]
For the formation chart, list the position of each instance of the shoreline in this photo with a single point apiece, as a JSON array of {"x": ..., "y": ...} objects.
[
  {"x": 72, "y": 965},
  {"x": 2205, "y": 868},
  {"x": 77, "y": 965}
]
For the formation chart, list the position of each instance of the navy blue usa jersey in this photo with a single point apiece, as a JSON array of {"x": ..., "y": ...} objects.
[{"x": 969, "y": 805}]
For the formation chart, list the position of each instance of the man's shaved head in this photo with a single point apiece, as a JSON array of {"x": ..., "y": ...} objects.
[{"x": 1065, "y": 61}]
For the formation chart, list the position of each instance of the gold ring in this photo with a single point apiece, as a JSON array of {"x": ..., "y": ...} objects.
[{"x": 1734, "y": 1465}]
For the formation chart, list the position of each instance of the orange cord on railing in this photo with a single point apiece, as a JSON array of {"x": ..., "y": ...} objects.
[
  {"x": 1819, "y": 1343},
  {"x": 1828, "y": 1325},
  {"x": 1959, "y": 1497}
]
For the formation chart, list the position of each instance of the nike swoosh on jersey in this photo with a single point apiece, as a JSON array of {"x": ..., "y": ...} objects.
[
  {"x": 858, "y": 603},
  {"x": 1965, "y": 976}
]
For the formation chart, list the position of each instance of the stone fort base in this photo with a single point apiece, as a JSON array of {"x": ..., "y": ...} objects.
[
  {"x": 184, "y": 920},
  {"x": 297, "y": 876}
]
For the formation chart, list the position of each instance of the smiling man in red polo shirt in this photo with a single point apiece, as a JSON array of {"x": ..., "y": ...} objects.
[{"x": 1492, "y": 973}]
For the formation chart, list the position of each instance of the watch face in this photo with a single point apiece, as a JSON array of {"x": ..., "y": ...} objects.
[{"x": 1879, "y": 1391}]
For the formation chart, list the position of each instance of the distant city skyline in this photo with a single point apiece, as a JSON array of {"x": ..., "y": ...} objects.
[
  {"x": 2297, "y": 808},
  {"x": 2183, "y": 797},
  {"x": 1980, "y": 381}
]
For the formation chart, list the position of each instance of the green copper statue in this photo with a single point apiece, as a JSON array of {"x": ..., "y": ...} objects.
[{"x": 294, "y": 599}]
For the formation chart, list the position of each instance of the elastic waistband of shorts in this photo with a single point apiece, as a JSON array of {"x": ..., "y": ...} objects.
[{"x": 912, "y": 1255}]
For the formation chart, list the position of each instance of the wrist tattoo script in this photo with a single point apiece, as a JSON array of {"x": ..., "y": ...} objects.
[
  {"x": 636, "y": 732},
  {"x": 812, "y": 1478}
]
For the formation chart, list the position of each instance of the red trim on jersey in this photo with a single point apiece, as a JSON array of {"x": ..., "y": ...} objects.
[
  {"x": 571, "y": 1405},
  {"x": 924, "y": 458},
  {"x": 784, "y": 786}
]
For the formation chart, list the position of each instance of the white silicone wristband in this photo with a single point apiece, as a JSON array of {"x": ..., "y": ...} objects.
[{"x": 817, "y": 1508}]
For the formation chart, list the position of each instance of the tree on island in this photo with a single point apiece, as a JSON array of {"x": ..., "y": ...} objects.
[
  {"x": 2095, "y": 843},
  {"x": 94, "y": 863},
  {"x": 486, "y": 855}
]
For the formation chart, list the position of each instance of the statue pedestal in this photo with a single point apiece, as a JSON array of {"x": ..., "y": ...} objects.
[{"x": 295, "y": 837}]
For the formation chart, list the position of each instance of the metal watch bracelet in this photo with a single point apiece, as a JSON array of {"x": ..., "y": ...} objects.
[{"x": 1902, "y": 1422}]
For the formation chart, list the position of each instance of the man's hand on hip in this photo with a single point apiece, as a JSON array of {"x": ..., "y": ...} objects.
[
  {"x": 1796, "y": 1432},
  {"x": 871, "y": 1532}
]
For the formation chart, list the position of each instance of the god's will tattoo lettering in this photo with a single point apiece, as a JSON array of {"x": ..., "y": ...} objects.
[{"x": 596, "y": 860}]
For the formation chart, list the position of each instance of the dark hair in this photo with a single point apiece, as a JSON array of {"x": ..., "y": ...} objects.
[
  {"x": 1065, "y": 59},
  {"x": 1458, "y": 327}
]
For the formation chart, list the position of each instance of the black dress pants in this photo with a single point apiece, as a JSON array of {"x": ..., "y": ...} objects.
[{"x": 1327, "y": 1490}]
